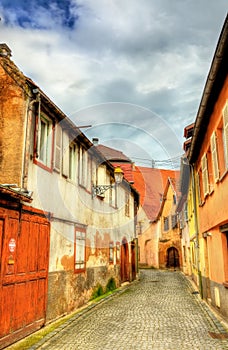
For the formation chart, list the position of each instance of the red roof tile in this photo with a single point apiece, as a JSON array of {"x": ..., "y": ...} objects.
[
  {"x": 151, "y": 184},
  {"x": 118, "y": 158},
  {"x": 112, "y": 154}
]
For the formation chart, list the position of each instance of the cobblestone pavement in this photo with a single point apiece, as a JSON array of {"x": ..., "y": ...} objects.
[{"x": 158, "y": 312}]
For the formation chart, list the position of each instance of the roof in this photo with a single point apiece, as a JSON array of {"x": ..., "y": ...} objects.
[
  {"x": 16, "y": 192},
  {"x": 113, "y": 154},
  {"x": 118, "y": 158},
  {"x": 151, "y": 184},
  {"x": 213, "y": 86}
]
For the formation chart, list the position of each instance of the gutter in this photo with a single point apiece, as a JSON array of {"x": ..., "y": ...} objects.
[{"x": 214, "y": 83}]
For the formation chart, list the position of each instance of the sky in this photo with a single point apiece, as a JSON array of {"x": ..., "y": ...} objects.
[{"x": 132, "y": 70}]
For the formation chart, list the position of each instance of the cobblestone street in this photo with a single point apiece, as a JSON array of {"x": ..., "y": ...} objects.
[{"x": 158, "y": 312}]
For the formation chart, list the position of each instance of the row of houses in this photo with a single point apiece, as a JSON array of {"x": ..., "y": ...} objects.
[
  {"x": 203, "y": 208},
  {"x": 183, "y": 216},
  {"x": 75, "y": 214},
  {"x": 67, "y": 214}
]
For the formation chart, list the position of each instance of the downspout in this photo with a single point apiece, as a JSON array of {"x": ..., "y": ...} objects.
[
  {"x": 196, "y": 230},
  {"x": 28, "y": 137}
]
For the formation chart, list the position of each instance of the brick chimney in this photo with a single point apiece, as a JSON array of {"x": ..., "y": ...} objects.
[{"x": 5, "y": 50}]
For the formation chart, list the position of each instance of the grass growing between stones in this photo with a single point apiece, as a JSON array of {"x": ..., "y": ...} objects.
[
  {"x": 32, "y": 339},
  {"x": 98, "y": 294}
]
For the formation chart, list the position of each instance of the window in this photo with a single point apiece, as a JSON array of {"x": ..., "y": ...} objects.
[
  {"x": 224, "y": 233},
  {"x": 111, "y": 252},
  {"x": 44, "y": 142},
  {"x": 214, "y": 154},
  {"x": 83, "y": 167},
  {"x": 174, "y": 220},
  {"x": 199, "y": 186},
  {"x": 65, "y": 155},
  {"x": 174, "y": 199},
  {"x": 186, "y": 212},
  {"x": 72, "y": 162},
  {"x": 205, "y": 175},
  {"x": 225, "y": 133},
  {"x": 79, "y": 250},
  {"x": 166, "y": 223},
  {"x": 58, "y": 147},
  {"x": 127, "y": 204}
]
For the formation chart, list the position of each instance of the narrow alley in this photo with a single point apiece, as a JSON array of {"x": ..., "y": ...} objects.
[{"x": 160, "y": 311}]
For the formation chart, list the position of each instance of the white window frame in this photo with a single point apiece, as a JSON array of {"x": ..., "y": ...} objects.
[
  {"x": 225, "y": 133},
  {"x": 65, "y": 154},
  {"x": 214, "y": 154},
  {"x": 83, "y": 167},
  {"x": 58, "y": 148},
  {"x": 45, "y": 135},
  {"x": 72, "y": 162},
  {"x": 205, "y": 176},
  {"x": 79, "y": 250}
]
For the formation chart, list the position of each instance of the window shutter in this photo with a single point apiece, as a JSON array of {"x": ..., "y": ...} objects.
[
  {"x": 198, "y": 188},
  {"x": 205, "y": 175},
  {"x": 225, "y": 129},
  {"x": 58, "y": 147},
  {"x": 214, "y": 154},
  {"x": 65, "y": 164}
]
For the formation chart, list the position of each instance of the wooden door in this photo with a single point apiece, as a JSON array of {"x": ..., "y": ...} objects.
[
  {"x": 124, "y": 261},
  {"x": 24, "y": 272},
  {"x": 133, "y": 260},
  {"x": 173, "y": 257}
]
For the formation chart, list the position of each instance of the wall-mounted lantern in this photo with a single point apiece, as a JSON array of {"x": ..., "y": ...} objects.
[{"x": 100, "y": 189}]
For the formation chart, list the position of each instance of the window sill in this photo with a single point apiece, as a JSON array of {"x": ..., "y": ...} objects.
[{"x": 42, "y": 165}]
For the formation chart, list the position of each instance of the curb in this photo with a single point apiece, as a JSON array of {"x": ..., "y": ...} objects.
[
  {"x": 216, "y": 322},
  {"x": 80, "y": 314}
]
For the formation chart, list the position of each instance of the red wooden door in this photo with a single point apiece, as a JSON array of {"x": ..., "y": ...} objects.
[
  {"x": 124, "y": 261},
  {"x": 24, "y": 259}
]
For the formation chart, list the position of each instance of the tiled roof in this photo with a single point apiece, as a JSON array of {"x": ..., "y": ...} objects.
[
  {"x": 151, "y": 184},
  {"x": 112, "y": 154},
  {"x": 127, "y": 169},
  {"x": 118, "y": 158}
]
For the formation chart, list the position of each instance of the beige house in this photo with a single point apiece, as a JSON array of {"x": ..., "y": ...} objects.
[{"x": 92, "y": 215}]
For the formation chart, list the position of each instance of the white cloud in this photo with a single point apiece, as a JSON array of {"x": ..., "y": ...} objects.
[{"x": 154, "y": 54}]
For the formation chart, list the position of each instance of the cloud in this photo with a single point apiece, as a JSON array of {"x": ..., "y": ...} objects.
[{"x": 153, "y": 54}]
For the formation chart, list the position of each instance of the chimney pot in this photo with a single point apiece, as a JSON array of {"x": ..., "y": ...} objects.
[{"x": 95, "y": 141}]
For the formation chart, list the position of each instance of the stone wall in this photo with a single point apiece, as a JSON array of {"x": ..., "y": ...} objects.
[{"x": 68, "y": 291}]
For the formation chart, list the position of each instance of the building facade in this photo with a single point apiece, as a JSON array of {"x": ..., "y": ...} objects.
[
  {"x": 92, "y": 218},
  {"x": 208, "y": 158}
]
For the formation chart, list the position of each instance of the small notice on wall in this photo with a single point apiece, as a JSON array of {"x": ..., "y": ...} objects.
[{"x": 12, "y": 245}]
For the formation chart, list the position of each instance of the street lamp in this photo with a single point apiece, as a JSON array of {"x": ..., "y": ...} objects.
[{"x": 100, "y": 189}]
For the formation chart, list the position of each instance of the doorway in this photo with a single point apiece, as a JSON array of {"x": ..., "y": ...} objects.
[
  {"x": 173, "y": 257},
  {"x": 124, "y": 261}
]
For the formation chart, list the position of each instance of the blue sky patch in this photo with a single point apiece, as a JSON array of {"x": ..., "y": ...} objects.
[{"x": 40, "y": 14}]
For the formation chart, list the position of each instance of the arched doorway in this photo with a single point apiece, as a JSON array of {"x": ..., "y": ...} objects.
[
  {"x": 173, "y": 257},
  {"x": 124, "y": 261},
  {"x": 133, "y": 261}
]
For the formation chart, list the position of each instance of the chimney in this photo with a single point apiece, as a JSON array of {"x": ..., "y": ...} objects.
[
  {"x": 95, "y": 141},
  {"x": 5, "y": 50}
]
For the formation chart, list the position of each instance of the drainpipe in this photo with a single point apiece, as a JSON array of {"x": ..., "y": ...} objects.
[
  {"x": 28, "y": 136},
  {"x": 196, "y": 231}
]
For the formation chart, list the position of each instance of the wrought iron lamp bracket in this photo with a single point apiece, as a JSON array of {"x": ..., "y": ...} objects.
[{"x": 101, "y": 189}]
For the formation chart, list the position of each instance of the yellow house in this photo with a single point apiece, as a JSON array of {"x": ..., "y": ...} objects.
[{"x": 169, "y": 240}]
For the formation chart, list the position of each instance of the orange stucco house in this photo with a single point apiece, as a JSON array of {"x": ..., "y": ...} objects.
[
  {"x": 208, "y": 157},
  {"x": 154, "y": 186}
]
